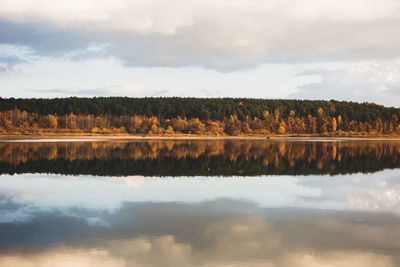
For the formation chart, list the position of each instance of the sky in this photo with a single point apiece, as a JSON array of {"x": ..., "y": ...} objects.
[{"x": 310, "y": 49}]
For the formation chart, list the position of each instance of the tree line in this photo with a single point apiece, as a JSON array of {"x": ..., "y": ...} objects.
[{"x": 217, "y": 116}]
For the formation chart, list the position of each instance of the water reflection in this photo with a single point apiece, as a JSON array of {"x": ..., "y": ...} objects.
[
  {"x": 199, "y": 158},
  {"x": 211, "y": 233},
  {"x": 297, "y": 217}
]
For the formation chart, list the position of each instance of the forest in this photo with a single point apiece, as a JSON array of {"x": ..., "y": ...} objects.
[{"x": 202, "y": 116}]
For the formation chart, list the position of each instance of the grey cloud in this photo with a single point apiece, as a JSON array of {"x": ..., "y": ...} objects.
[
  {"x": 45, "y": 39},
  {"x": 224, "y": 38},
  {"x": 7, "y": 62}
]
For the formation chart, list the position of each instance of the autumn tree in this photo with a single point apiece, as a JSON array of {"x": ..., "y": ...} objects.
[{"x": 51, "y": 121}]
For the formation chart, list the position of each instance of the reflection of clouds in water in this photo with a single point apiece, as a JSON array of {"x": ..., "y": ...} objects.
[
  {"x": 17, "y": 196},
  {"x": 174, "y": 234},
  {"x": 14, "y": 206},
  {"x": 378, "y": 199},
  {"x": 162, "y": 252},
  {"x": 129, "y": 181},
  {"x": 87, "y": 191},
  {"x": 379, "y": 191},
  {"x": 63, "y": 257}
]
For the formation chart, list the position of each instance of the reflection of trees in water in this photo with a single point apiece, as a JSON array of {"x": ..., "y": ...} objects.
[{"x": 189, "y": 158}]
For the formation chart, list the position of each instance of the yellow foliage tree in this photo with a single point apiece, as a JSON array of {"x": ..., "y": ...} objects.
[
  {"x": 52, "y": 121},
  {"x": 281, "y": 129}
]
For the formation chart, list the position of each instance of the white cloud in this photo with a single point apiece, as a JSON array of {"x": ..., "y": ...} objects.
[
  {"x": 371, "y": 82},
  {"x": 129, "y": 89},
  {"x": 223, "y": 35}
]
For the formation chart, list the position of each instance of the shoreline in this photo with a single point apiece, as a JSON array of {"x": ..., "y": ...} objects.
[{"x": 197, "y": 137}]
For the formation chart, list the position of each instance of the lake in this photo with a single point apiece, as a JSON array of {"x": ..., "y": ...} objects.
[{"x": 199, "y": 203}]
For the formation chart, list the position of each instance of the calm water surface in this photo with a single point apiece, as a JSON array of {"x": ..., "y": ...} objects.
[{"x": 199, "y": 203}]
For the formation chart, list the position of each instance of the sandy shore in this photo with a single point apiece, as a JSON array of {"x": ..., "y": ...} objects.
[{"x": 192, "y": 137}]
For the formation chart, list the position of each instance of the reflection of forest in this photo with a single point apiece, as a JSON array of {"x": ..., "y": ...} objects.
[{"x": 190, "y": 158}]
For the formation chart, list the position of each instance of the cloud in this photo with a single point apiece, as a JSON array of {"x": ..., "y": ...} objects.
[
  {"x": 371, "y": 82},
  {"x": 45, "y": 39},
  {"x": 222, "y": 35},
  {"x": 129, "y": 89},
  {"x": 7, "y": 62}
]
